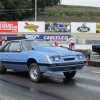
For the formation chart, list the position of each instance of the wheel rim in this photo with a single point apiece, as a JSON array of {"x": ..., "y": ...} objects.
[{"x": 33, "y": 73}]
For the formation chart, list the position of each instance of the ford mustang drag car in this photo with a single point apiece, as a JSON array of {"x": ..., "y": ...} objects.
[{"x": 39, "y": 56}]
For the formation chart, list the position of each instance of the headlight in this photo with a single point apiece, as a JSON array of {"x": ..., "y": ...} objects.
[
  {"x": 55, "y": 58},
  {"x": 52, "y": 58},
  {"x": 79, "y": 56}
]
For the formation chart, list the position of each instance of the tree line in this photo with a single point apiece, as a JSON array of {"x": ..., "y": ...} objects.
[{"x": 20, "y": 9}]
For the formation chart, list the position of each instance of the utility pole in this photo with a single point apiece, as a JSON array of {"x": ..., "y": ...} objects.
[{"x": 35, "y": 10}]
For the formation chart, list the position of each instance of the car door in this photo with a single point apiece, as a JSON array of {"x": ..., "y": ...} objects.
[
  {"x": 14, "y": 57},
  {"x": 3, "y": 54}
]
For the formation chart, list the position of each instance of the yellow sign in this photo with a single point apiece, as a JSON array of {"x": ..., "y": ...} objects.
[
  {"x": 3, "y": 37},
  {"x": 19, "y": 34},
  {"x": 98, "y": 27},
  {"x": 31, "y": 27}
]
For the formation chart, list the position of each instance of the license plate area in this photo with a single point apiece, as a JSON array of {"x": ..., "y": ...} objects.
[{"x": 69, "y": 68}]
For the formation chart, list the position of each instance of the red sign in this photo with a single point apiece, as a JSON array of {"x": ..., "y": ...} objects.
[{"x": 8, "y": 26}]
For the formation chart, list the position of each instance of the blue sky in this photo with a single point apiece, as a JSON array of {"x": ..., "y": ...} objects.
[{"x": 94, "y": 3}]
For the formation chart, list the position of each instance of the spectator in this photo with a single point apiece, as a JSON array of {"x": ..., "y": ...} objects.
[
  {"x": 51, "y": 27},
  {"x": 77, "y": 40},
  {"x": 70, "y": 42},
  {"x": 5, "y": 38},
  {"x": 0, "y": 41},
  {"x": 37, "y": 37}
]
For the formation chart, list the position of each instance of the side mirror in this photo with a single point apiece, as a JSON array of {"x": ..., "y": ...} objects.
[{"x": 32, "y": 48}]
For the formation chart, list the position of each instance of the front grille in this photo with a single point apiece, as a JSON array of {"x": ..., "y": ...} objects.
[
  {"x": 69, "y": 59},
  {"x": 72, "y": 63}
]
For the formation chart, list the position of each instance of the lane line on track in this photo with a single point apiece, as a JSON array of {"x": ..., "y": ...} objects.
[
  {"x": 5, "y": 97},
  {"x": 96, "y": 72}
]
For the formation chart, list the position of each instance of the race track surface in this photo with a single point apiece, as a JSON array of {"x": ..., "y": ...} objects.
[{"x": 84, "y": 86}]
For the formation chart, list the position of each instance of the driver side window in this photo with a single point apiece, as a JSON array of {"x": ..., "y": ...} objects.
[{"x": 14, "y": 47}]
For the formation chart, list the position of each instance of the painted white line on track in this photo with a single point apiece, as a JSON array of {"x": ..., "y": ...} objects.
[
  {"x": 96, "y": 72},
  {"x": 89, "y": 87},
  {"x": 5, "y": 97}
]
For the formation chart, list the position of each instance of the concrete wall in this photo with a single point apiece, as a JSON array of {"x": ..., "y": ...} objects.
[
  {"x": 82, "y": 36},
  {"x": 83, "y": 47},
  {"x": 94, "y": 36}
]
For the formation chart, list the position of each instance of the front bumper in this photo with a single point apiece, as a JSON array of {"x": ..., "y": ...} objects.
[{"x": 61, "y": 67}]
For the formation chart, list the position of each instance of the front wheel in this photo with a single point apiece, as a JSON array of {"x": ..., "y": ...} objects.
[
  {"x": 2, "y": 69},
  {"x": 34, "y": 73},
  {"x": 69, "y": 75}
]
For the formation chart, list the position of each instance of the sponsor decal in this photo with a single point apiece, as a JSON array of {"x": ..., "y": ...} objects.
[
  {"x": 8, "y": 26},
  {"x": 19, "y": 34},
  {"x": 57, "y": 27},
  {"x": 4, "y": 36},
  {"x": 31, "y": 27},
  {"x": 31, "y": 36},
  {"x": 55, "y": 38},
  {"x": 48, "y": 37},
  {"x": 98, "y": 27},
  {"x": 83, "y": 28}
]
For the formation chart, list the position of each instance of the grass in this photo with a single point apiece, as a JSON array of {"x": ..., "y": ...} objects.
[{"x": 68, "y": 14}]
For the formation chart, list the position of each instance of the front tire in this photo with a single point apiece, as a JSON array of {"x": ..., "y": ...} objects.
[
  {"x": 2, "y": 69},
  {"x": 34, "y": 73},
  {"x": 69, "y": 75}
]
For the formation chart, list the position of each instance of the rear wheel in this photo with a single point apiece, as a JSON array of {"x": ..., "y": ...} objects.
[
  {"x": 69, "y": 75},
  {"x": 2, "y": 69},
  {"x": 34, "y": 73}
]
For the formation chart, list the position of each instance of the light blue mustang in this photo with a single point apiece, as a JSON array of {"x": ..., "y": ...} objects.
[{"x": 39, "y": 56}]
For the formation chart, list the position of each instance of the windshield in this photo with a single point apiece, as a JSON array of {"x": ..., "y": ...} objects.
[
  {"x": 61, "y": 25},
  {"x": 28, "y": 44}
]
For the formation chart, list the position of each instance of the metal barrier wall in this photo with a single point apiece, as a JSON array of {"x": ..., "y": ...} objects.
[
  {"x": 80, "y": 42},
  {"x": 92, "y": 41}
]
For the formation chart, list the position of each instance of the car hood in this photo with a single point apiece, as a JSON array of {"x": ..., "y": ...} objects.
[{"x": 55, "y": 50}]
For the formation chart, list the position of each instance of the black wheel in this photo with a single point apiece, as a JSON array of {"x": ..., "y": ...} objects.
[
  {"x": 69, "y": 75},
  {"x": 34, "y": 73},
  {"x": 2, "y": 69}
]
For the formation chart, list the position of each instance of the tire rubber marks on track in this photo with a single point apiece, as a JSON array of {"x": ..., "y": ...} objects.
[{"x": 5, "y": 97}]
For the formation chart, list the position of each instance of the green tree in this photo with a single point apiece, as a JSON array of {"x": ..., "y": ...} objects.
[{"x": 19, "y": 9}]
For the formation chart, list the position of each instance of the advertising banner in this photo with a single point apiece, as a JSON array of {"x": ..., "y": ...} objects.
[
  {"x": 30, "y": 26},
  {"x": 8, "y": 26},
  {"x": 7, "y": 35},
  {"x": 31, "y": 36},
  {"x": 57, "y": 27},
  {"x": 49, "y": 37},
  {"x": 83, "y": 27},
  {"x": 97, "y": 27}
]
